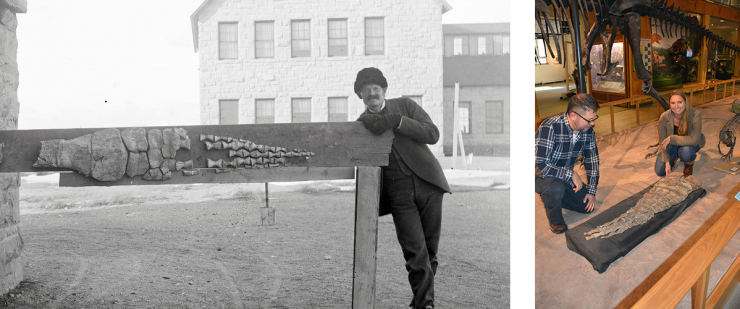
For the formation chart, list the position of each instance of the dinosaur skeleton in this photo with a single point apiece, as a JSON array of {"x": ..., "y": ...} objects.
[
  {"x": 625, "y": 16},
  {"x": 728, "y": 135},
  {"x": 667, "y": 192}
]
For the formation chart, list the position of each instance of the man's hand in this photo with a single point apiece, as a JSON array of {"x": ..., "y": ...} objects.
[
  {"x": 590, "y": 202},
  {"x": 369, "y": 120},
  {"x": 577, "y": 182},
  {"x": 387, "y": 121},
  {"x": 665, "y": 143},
  {"x": 667, "y": 168}
]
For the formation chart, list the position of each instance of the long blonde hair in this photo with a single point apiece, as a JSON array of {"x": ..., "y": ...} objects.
[{"x": 683, "y": 127}]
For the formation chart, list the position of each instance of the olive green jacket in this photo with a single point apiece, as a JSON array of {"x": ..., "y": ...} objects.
[{"x": 693, "y": 138}]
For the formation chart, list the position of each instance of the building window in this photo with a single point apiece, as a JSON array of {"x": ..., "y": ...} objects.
[
  {"x": 264, "y": 110},
  {"x": 300, "y": 33},
  {"x": 337, "y": 37},
  {"x": 541, "y": 53},
  {"x": 301, "y": 110},
  {"x": 460, "y": 45},
  {"x": 482, "y": 45},
  {"x": 228, "y": 112},
  {"x": 337, "y": 109},
  {"x": 264, "y": 39},
  {"x": 494, "y": 117},
  {"x": 500, "y": 44},
  {"x": 464, "y": 115},
  {"x": 374, "y": 36},
  {"x": 227, "y": 41}
]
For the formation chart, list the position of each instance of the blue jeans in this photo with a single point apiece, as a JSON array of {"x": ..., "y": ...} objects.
[
  {"x": 556, "y": 195},
  {"x": 416, "y": 207},
  {"x": 685, "y": 153}
]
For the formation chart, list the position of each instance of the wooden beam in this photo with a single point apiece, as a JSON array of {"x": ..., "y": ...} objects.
[
  {"x": 336, "y": 144},
  {"x": 366, "y": 237},
  {"x": 209, "y": 175}
]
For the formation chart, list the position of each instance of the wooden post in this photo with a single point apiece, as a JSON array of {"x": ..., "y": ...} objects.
[
  {"x": 724, "y": 90},
  {"x": 267, "y": 213},
  {"x": 699, "y": 291},
  {"x": 455, "y": 124},
  {"x": 638, "y": 112},
  {"x": 611, "y": 111},
  {"x": 367, "y": 199}
]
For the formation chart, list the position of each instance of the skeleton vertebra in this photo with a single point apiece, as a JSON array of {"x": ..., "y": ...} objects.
[
  {"x": 667, "y": 192},
  {"x": 249, "y": 154}
]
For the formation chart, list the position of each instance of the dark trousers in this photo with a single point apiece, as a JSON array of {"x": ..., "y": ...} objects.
[
  {"x": 416, "y": 207},
  {"x": 556, "y": 195}
]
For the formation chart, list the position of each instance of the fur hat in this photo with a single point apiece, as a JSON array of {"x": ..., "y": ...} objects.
[{"x": 369, "y": 76}]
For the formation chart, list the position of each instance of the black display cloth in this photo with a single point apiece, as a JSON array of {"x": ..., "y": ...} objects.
[{"x": 601, "y": 252}]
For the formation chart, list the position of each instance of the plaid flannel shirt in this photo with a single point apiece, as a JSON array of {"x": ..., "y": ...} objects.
[{"x": 556, "y": 154}]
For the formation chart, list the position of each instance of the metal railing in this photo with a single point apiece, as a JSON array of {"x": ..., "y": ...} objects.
[{"x": 709, "y": 90}]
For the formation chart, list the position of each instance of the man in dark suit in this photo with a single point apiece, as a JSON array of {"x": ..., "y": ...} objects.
[{"x": 413, "y": 181}]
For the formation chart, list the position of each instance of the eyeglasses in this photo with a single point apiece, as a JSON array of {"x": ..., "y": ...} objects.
[
  {"x": 374, "y": 89},
  {"x": 592, "y": 120}
]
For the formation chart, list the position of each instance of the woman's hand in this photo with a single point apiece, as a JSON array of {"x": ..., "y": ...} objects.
[
  {"x": 665, "y": 143},
  {"x": 667, "y": 168}
]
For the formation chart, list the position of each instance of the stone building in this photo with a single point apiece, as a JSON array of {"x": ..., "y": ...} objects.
[
  {"x": 477, "y": 57},
  {"x": 286, "y": 61},
  {"x": 11, "y": 243}
]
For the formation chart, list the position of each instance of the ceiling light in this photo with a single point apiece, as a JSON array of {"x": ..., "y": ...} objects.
[{"x": 721, "y": 20}]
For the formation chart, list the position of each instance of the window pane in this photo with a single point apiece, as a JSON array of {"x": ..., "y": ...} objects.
[
  {"x": 464, "y": 116},
  {"x": 265, "y": 111},
  {"x": 506, "y": 44},
  {"x": 337, "y": 109},
  {"x": 301, "y": 38},
  {"x": 481, "y": 45},
  {"x": 227, "y": 41},
  {"x": 494, "y": 117},
  {"x": 458, "y": 46},
  {"x": 337, "y": 38},
  {"x": 264, "y": 39},
  {"x": 374, "y": 36},
  {"x": 301, "y": 110},
  {"x": 541, "y": 53},
  {"x": 498, "y": 44},
  {"x": 228, "y": 112}
]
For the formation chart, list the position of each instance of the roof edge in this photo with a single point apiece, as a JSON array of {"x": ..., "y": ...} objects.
[{"x": 194, "y": 23}]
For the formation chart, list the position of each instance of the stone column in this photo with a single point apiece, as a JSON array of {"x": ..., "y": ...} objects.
[{"x": 11, "y": 243}]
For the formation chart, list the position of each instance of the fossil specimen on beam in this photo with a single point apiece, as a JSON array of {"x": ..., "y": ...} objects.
[
  {"x": 109, "y": 154},
  {"x": 249, "y": 154},
  {"x": 669, "y": 191}
]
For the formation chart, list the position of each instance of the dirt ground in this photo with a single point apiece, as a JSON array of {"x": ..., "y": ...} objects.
[{"x": 202, "y": 246}]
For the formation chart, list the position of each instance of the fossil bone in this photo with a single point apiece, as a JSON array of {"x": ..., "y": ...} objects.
[
  {"x": 108, "y": 154},
  {"x": 667, "y": 192}
]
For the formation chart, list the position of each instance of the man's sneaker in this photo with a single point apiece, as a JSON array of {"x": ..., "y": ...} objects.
[{"x": 558, "y": 228}]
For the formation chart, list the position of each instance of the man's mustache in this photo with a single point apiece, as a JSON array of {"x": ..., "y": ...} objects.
[{"x": 373, "y": 97}]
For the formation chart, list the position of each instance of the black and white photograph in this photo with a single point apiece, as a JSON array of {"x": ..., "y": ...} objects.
[{"x": 256, "y": 154}]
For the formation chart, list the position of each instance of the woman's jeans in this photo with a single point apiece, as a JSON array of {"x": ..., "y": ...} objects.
[{"x": 685, "y": 153}]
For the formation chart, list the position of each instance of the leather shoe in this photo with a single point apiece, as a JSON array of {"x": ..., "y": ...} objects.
[{"x": 558, "y": 228}]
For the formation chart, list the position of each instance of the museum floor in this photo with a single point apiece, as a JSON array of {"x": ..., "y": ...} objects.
[{"x": 565, "y": 279}]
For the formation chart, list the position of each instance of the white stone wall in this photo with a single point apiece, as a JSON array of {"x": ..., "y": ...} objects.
[
  {"x": 412, "y": 62},
  {"x": 11, "y": 243}
]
